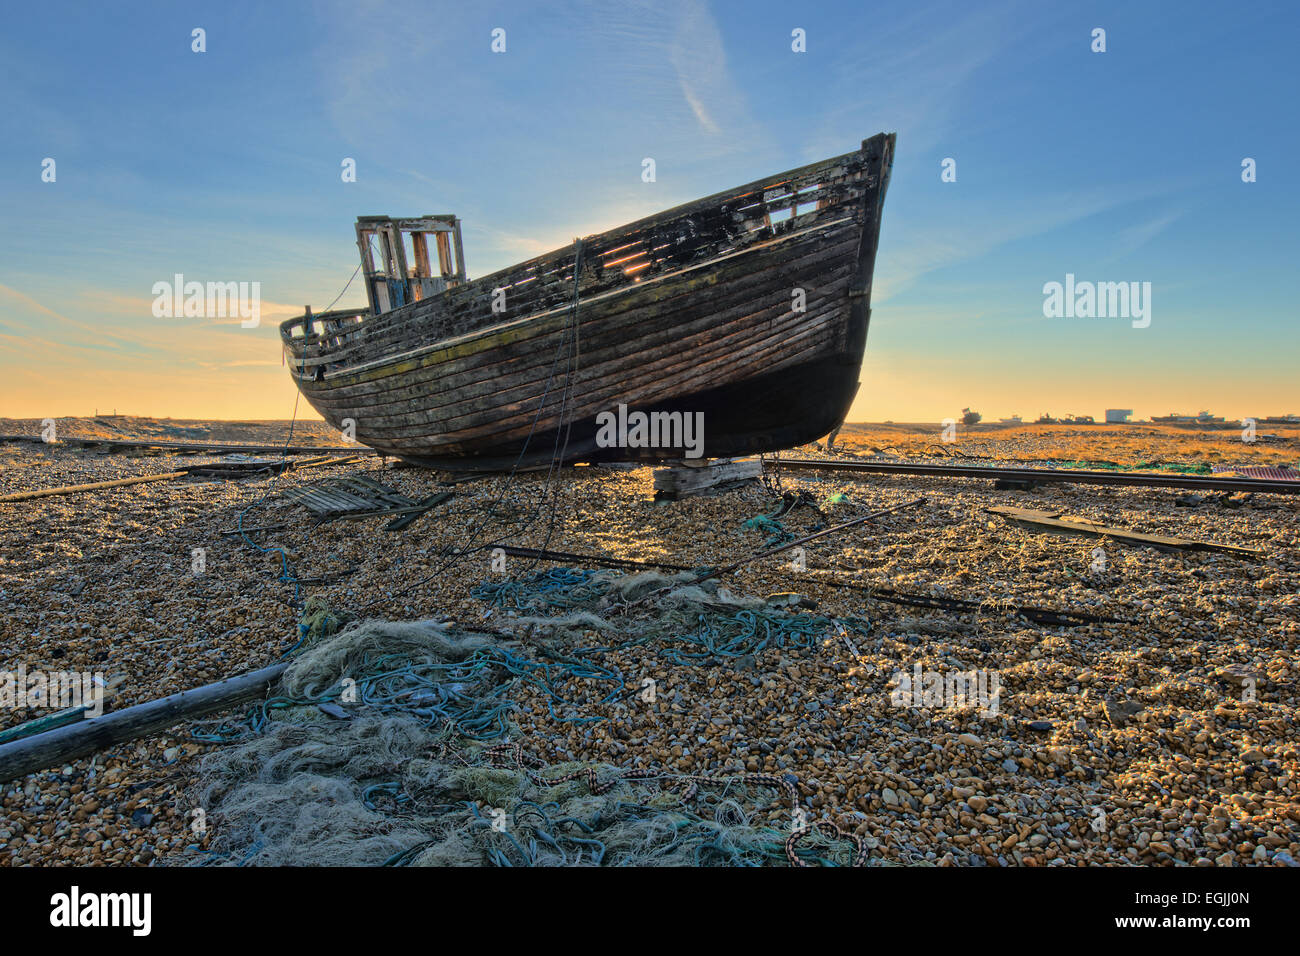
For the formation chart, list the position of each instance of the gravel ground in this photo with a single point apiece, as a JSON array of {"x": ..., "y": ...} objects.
[{"x": 1168, "y": 739}]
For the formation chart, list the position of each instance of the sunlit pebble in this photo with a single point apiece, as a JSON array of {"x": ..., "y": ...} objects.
[{"x": 1197, "y": 776}]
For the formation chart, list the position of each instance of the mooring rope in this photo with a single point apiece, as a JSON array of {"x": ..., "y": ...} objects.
[
  {"x": 287, "y": 574},
  {"x": 451, "y": 554}
]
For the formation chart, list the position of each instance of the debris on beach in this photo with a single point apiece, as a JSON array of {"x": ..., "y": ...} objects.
[
  {"x": 427, "y": 766},
  {"x": 1074, "y": 628}
]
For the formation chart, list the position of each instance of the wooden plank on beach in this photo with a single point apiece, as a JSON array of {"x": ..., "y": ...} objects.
[
  {"x": 1047, "y": 521},
  {"x": 358, "y": 496},
  {"x": 91, "y": 735},
  {"x": 92, "y": 486},
  {"x": 61, "y": 718},
  {"x": 687, "y": 478},
  {"x": 413, "y": 514},
  {"x": 245, "y": 468},
  {"x": 197, "y": 447}
]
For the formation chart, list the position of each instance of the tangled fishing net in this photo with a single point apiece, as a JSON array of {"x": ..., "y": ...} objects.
[
  {"x": 393, "y": 743},
  {"x": 775, "y": 529}
]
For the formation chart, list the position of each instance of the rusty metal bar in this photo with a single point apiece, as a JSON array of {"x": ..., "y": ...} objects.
[{"x": 1047, "y": 475}]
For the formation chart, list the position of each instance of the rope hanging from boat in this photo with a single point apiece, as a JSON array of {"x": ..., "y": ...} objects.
[
  {"x": 557, "y": 458},
  {"x": 451, "y": 554},
  {"x": 287, "y": 574}
]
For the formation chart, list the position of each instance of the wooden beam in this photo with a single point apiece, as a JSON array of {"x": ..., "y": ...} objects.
[
  {"x": 409, "y": 515},
  {"x": 55, "y": 747},
  {"x": 688, "y": 479},
  {"x": 1047, "y": 521},
  {"x": 92, "y": 486},
  {"x": 446, "y": 268},
  {"x": 461, "y": 275}
]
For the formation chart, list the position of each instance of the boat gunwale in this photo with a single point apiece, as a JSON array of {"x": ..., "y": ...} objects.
[
  {"x": 630, "y": 230},
  {"x": 324, "y": 399},
  {"x": 488, "y": 331},
  {"x": 707, "y": 238}
]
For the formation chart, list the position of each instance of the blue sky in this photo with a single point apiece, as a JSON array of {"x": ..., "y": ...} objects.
[{"x": 225, "y": 165}]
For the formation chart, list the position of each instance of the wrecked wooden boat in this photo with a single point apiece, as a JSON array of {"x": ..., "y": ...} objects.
[{"x": 746, "y": 311}]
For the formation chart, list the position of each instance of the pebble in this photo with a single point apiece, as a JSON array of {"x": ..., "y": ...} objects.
[{"x": 1188, "y": 750}]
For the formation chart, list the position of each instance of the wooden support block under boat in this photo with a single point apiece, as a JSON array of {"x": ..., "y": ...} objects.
[{"x": 692, "y": 477}]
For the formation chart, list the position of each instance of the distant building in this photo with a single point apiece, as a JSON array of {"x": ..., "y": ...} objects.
[{"x": 1117, "y": 416}]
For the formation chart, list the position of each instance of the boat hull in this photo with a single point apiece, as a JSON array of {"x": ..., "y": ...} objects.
[
  {"x": 764, "y": 413},
  {"x": 764, "y": 339}
]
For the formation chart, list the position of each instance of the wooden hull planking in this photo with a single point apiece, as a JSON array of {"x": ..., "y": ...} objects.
[{"x": 691, "y": 311}]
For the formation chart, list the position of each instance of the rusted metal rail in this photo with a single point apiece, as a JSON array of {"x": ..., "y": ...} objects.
[
  {"x": 198, "y": 447},
  {"x": 1046, "y": 475},
  {"x": 1039, "y": 615}
]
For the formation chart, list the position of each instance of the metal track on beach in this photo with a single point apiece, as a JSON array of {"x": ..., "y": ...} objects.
[
  {"x": 1045, "y": 475},
  {"x": 199, "y": 447}
]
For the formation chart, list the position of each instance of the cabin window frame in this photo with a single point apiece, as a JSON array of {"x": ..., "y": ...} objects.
[{"x": 397, "y": 250}]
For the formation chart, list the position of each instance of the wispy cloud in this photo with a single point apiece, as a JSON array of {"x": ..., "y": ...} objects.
[
  {"x": 700, "y": 63},
  {"x": 983, "y": 227},
  {"x": 126, "y": 337},
  {"x": 364, "y": 71},
  {"x": 89, "y": 336},
  {"x": 141, "y": 307},
  {"x": 913, "y": 75},
  {"x": 1137, "y": 236},
  {"x": 244, "y": 363}
]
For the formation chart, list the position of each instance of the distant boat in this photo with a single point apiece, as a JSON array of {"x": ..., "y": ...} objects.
[
  {"x": 750, "y": 306},
  {"x": 1204, "y": 418},
  {"x": 1013, "y": 420},
  {"x": 1045, "y": 419}
]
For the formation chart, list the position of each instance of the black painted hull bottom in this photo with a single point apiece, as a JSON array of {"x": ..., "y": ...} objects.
[{"x": 766, "y": 413}]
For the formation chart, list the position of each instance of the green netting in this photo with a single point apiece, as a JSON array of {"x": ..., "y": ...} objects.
[{"x": 393, "y": 743}]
